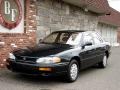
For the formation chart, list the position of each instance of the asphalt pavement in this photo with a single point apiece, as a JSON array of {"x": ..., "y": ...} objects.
[{"x": 90, "y": 79}]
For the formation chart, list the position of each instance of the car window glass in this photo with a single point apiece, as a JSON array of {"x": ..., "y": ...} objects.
[
  {"x": 74, "y": 39},
  {"x": 88, "y": 38},
  {"x": 64, "y": 37},
  {"x": 51, "y": 38},
  {"x": 73, "y": 36},
  {"x": 97, "y": 40}
]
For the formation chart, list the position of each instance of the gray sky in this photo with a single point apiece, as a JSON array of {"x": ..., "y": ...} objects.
[{"x": 115, "y": 4}]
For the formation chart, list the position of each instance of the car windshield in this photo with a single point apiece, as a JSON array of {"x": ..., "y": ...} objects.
[{"x": 63, "y": 38}]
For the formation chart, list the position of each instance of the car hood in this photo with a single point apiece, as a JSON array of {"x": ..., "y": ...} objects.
[{"x": 42, "y": 50}]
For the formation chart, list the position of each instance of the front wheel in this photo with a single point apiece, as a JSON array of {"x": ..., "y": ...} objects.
[
  {"x": 73, "y": 70},
  {"x": 103, "y": 64}
]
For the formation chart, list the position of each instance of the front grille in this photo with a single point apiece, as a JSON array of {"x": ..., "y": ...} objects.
[{"x": 26, "y": 59}]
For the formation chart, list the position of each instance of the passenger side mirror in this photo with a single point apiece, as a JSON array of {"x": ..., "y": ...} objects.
[{"x": 86, "y": 44}]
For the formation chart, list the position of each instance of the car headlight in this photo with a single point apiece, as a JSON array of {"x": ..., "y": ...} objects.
[
  {"x": 11, "y": 56},
  {"x": 48, "y": 60}
]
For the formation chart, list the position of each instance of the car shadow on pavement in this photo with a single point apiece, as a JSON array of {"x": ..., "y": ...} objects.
[{"x": 43, "y": 80}]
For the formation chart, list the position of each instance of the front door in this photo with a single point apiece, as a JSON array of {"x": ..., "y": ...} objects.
[{"x": 88, "y": 54}]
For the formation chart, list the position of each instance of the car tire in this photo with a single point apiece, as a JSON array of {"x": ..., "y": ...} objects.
[
  {"x": 73, "y": 70},
  {"x": 103, "y": 64}
]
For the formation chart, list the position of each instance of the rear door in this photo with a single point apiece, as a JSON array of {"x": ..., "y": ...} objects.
[{"x": 98, "y": 42}]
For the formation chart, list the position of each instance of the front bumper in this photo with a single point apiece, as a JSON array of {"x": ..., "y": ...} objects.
[{"x": 33, "y": 69}]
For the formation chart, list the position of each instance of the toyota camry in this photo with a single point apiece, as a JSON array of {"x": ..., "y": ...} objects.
[{"x": 61, "y": 53}]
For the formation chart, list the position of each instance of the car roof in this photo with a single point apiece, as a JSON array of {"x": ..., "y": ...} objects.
[{"x": 72, "y": 31}]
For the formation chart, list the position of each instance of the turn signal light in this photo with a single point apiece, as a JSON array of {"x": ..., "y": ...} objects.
[{"x": 45, "y": 69}]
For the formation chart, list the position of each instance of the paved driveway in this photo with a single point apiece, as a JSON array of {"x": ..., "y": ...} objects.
[{"x": 90, "y": 79}]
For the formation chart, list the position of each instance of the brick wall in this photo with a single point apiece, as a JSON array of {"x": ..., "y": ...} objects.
[{"x": 20, "y": 40}]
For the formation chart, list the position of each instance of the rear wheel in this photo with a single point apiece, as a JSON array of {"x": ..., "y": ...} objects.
[
  {"x": 103, "y": 64},
  {"x": 73, "y": 71}
]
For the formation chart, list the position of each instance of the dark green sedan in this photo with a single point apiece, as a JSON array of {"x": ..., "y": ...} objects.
[{"x": 61, "y": 53}]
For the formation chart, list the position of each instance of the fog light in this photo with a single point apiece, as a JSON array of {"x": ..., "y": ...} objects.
[{"x": 45, "y": 69}]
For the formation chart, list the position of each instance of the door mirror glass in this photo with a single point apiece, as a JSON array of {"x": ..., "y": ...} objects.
[{"x": 86, "y": 44}]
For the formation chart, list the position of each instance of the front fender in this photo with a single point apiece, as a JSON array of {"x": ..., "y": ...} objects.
[{"x": 69, "y": 54}]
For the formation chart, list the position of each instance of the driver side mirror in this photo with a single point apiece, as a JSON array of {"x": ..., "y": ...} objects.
[{"x": 86, "y": 44}]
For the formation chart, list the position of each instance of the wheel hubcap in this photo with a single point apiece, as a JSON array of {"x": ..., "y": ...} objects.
[
  {"x": 74, "y": 71},
  {"x": 105, "y": 61}
]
